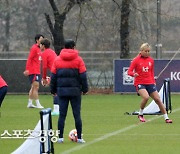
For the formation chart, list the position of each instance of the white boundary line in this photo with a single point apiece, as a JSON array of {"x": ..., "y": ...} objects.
[{"x": 79, "y": 147}]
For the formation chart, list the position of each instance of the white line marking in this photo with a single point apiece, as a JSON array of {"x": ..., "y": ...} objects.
[{"x": 110, "y": 134}]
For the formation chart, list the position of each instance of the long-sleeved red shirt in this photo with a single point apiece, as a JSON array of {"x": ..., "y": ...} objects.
[
  {"x": 2, "y": 82},
  {"x": 144, "y": 66},
  {"x": 48, "y": 57},
  {"x": 34, "y": 60}
]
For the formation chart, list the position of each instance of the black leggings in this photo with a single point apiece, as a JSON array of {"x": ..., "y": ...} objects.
[{"x": 3, "y": 91}]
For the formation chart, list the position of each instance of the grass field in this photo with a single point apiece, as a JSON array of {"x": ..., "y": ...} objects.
[{"x": 105, "y": 127}]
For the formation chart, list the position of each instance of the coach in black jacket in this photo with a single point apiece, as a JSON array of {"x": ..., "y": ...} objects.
[{"x": 69, "y": 81}]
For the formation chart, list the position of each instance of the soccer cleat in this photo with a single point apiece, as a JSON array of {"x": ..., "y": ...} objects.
[
  {"x": 168, "y": 121},
  {"x": 60, "y": 140},
  {"x": 81, "y": 141},
  {"x": 141, "y": 118},
  {"x": 54, "y": 113},
  {"x": 31, "y": 106},
  {"x": 39, "y": 106}
]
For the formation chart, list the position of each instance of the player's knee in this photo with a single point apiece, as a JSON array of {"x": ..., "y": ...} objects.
[
  {"x": 157, "y": 100},
  {"x": 146, "y": 98}
]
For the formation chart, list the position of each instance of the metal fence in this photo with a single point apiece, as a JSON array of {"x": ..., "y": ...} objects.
[{"x": 99, "y": 68}]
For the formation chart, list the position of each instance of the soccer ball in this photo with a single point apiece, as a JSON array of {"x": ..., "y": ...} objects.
[
  {"x": 48, "y": 79},
  {"x": 73, "y": 135}
]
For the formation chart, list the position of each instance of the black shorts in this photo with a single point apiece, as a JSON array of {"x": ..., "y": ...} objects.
[
  {"x": 149, "y": 87},
  {"x": 34, "y": 77}
]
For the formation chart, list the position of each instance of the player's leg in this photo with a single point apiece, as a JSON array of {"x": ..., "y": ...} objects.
[
  {"x": 3, "y": 92},
  {"x": 145, "y": 97},
  {"x": 63, "y": 104},
  {"x": 31, "y": 97},
  {"x": 76, "y": 107},
  {"x": 155, "y": 96},
  {"x": 55, "y": 106},
  {"x": 35, "y": 89}
]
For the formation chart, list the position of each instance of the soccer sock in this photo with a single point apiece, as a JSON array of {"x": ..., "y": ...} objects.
[
  {"x": 165, "y": 116},
  {"x": 37, "y": 102},
  {"x": 141, "y": 112},
  {"x": 56, "y": 108},
  {"x": 30, "y": 101}
]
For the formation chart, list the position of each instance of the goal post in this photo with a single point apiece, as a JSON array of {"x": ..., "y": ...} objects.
[
  {"x": 41, "y": 139},
  {"x": 46, "y": 146}
]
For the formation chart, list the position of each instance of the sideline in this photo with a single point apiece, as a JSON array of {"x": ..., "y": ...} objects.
[{"x": 79, "y": 147}]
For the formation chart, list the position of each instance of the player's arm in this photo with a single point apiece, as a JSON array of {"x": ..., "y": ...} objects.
[
  {"x": 44, "y": 65},
  {"x": 53, "y": 83},
  {"x": 29, "y": 61},
  {"x": 83, "y": 76},
  {"x": 152, "y": 72},
  {"x": 131, "y": 69}
]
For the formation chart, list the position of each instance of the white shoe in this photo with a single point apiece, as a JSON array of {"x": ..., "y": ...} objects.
[
  {"x": 60, "y": 140},
  {"x": 31, "y": 106},
  {"x": 39, "y": 106},
  {"x": 81, "y": 141}
]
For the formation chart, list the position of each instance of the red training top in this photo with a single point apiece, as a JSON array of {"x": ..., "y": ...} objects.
[
  {"x": 33, "y": 61},
  {"x": 48, "y": 57},
  {"x": 144, "y": 66},
  {"x": 2, "y": 82}
]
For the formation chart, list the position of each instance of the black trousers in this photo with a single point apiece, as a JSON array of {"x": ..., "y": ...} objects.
[
  {"x": 75, "y": 102},
  {"x": 3, "y": 91}
]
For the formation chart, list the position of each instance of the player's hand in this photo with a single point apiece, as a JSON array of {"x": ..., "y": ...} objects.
[
  {"x": 44, "y": 82},
  {"x": 136, "y": 74},
  {"x": 84, "y": 93},
  {"x": 26, "y": 73}
]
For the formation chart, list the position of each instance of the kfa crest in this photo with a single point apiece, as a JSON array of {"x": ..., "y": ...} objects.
[{"x": 127, "y": 80}]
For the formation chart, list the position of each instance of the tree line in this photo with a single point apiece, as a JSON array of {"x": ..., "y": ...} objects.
[{"x": 95, "y": 25}]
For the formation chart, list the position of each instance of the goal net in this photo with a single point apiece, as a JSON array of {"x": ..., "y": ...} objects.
[{"x": 165, "y": 96}]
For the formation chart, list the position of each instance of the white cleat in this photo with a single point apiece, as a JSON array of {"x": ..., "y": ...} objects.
[
  {"x": 60, "y": 140},
  {"x": 31, "y": 106},
  {"x": 39, "y": 106},
  {"x": 81, "y": 141}
]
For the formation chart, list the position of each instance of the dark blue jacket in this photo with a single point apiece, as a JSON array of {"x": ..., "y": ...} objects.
[{"x": 68, "y": 74}]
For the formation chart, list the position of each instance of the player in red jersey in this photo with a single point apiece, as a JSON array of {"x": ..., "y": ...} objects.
[
  {"x": 48, "y": 57},
  {"x": 33, "y": 71},
  {"x": 142, "y": 69},
  {"x": 3, "y": 89}
]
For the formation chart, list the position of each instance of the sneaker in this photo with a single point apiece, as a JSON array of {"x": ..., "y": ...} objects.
[
  {"x": 81, "y": 141},
  {"x": 54, "y": 113},
  {"x": 31, "y": 106},
  {"x": 60, "y": 140},
  {"x": 39, "y": 106},
  {"x": 168, "y": 121},
  {"x": 141, "y": 118}
]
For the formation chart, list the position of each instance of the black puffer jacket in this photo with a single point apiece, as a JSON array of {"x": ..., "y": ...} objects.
[{"x": 69, "y": 74}]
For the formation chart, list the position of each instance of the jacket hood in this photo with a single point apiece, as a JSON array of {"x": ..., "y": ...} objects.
[{"x": 69, "y": 54}]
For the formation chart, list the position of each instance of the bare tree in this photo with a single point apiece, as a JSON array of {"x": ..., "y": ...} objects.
[
  {"x": 124, "y": 30},
  {"x": 7, "y": 27},
  {"x": 59, "y": 18},
  {"x": 124, "y": 27}
]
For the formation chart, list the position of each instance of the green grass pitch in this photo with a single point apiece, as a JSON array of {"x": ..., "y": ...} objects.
[{"x": 105, "y": 127}]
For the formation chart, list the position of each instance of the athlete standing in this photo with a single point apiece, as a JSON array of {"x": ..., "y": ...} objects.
[{"x": 142, "y": 69}]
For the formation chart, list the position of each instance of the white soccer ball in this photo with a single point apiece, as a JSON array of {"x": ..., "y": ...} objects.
[
  {"x": 73, "y": 135},
  {"x": 48, "y": 79}
]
